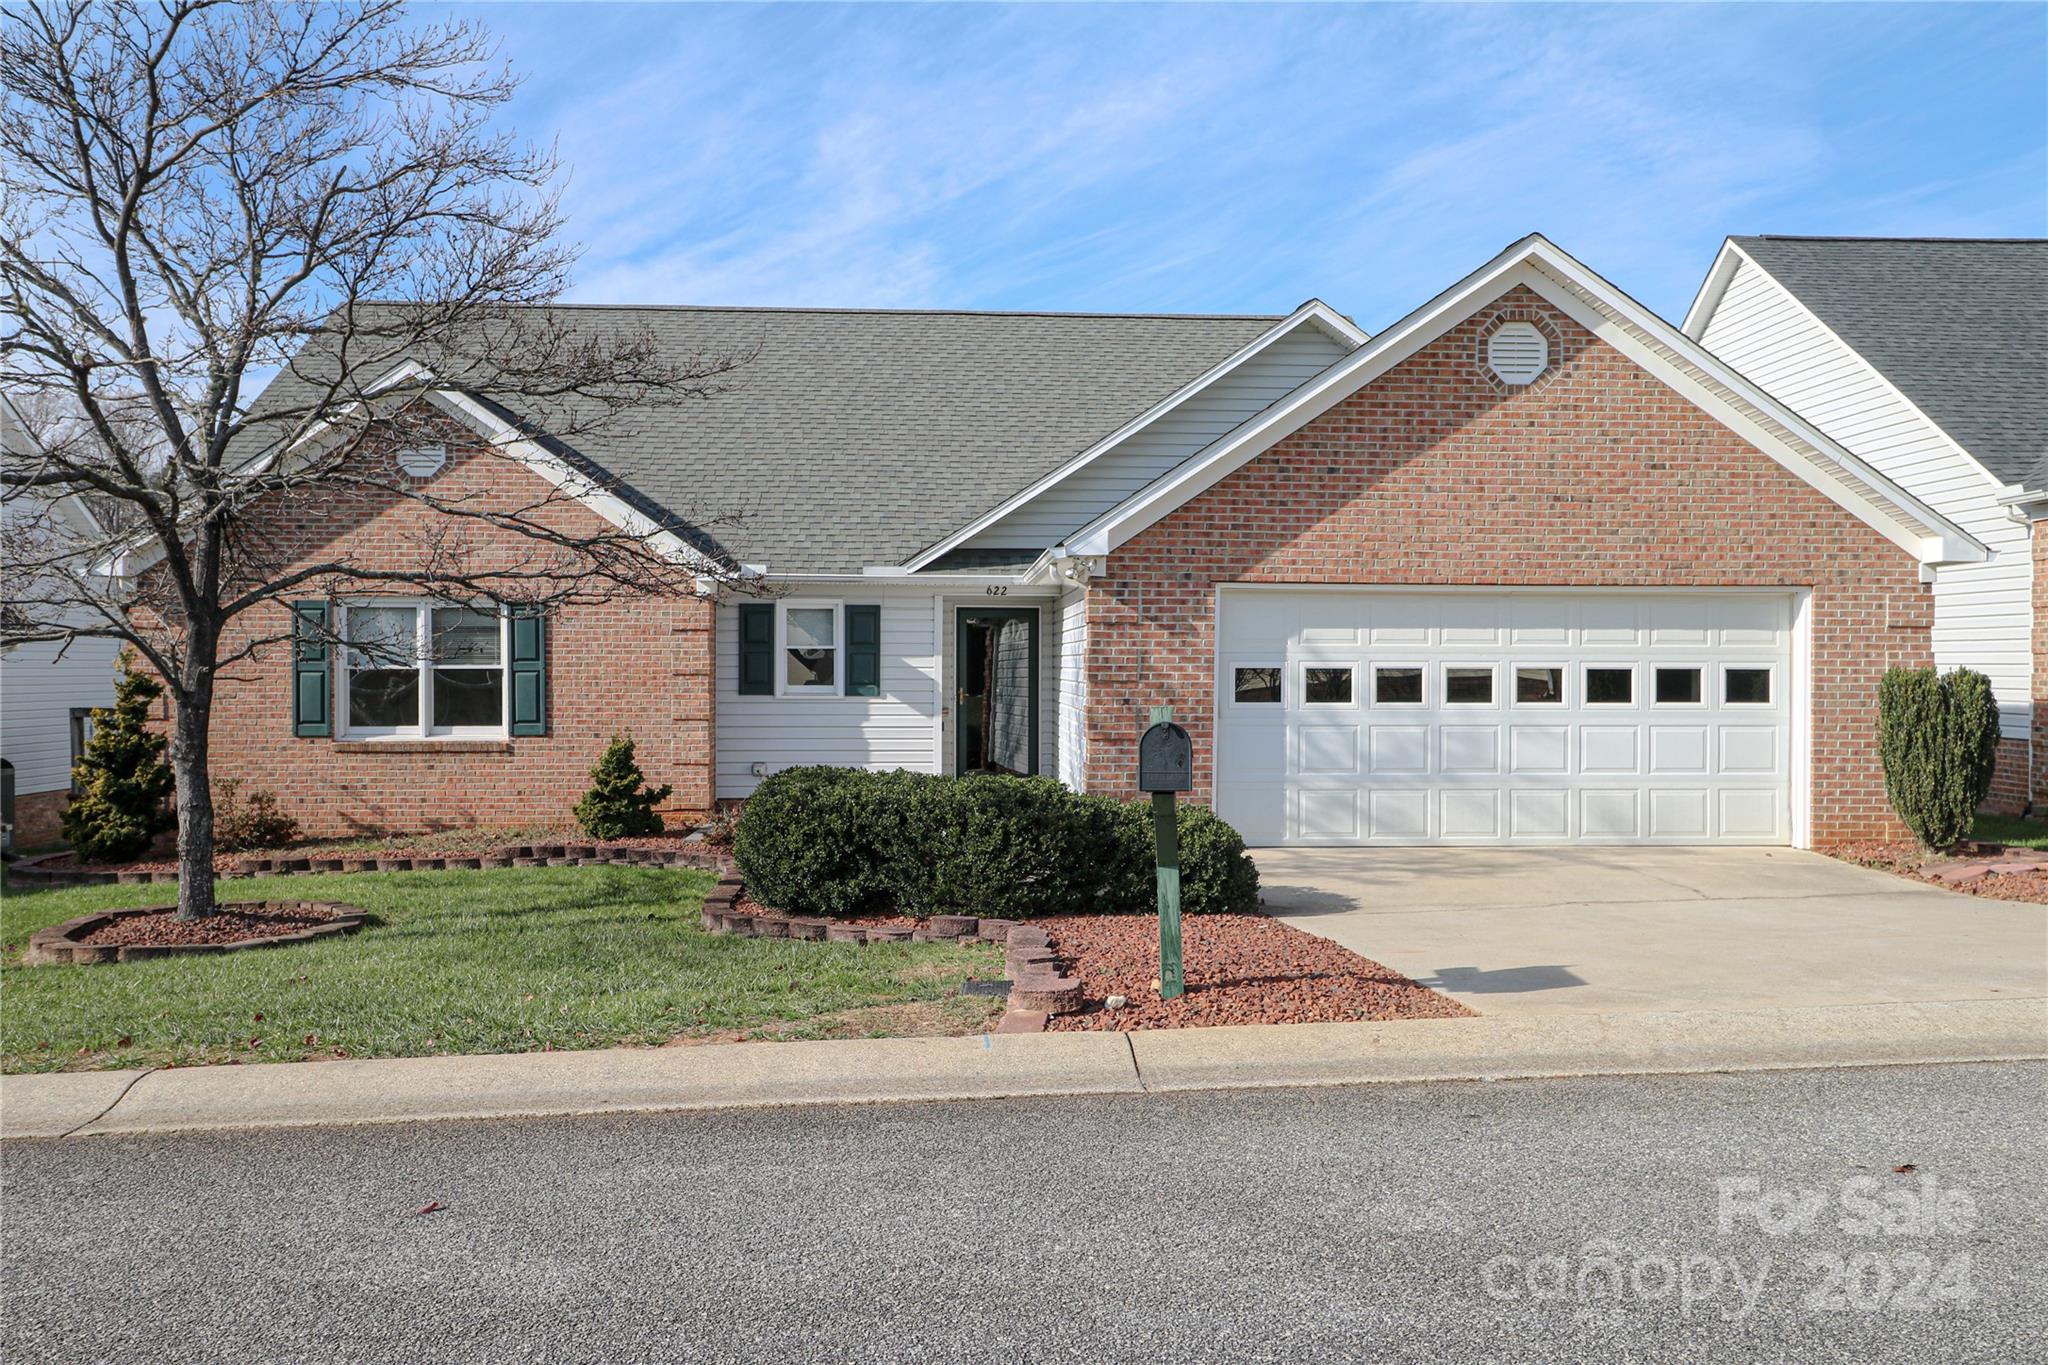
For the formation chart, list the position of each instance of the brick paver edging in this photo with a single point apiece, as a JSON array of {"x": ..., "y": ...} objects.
[
  {"x": 512, "y": 855},
  {"x": 59, "y": 943},
  {"x": 1039, "y": 985}
]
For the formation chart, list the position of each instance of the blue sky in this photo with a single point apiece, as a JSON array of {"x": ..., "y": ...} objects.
[{"x": 1242, "y": 159}]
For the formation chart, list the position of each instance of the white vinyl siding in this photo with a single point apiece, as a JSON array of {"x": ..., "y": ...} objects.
[
  {"x": 37, "y": 693},
  {"x": 910, "y": 725},
  {"x": 1983, "y": 615},
  {"x": 1254, "y": 386},
  {"x": 1071, "y": 647}
]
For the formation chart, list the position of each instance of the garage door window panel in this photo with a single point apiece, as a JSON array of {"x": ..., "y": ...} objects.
[
  {"x": 1399, "y": 685},
  {"x": 1539, "y": 684},
  {"x": 1468, "y": 684},
  {"x": 1328, "y": 685},
  {"x": 1680, "y": 685},
  {"x": 1747, "y": 685},
  {"x": 1610, "y": 685},
  {"x": 1256, "y": 684}
]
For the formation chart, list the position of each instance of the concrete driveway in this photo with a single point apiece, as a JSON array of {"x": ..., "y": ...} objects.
[{"x": 1546, "y": 931}]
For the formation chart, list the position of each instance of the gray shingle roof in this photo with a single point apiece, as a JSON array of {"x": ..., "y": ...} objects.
[
  {"x": 1959, "y": 326},
  {"x": 861, "y": 437}
]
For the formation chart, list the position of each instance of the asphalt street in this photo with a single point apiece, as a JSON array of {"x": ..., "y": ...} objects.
[{"x": 1754, "y": 1217}]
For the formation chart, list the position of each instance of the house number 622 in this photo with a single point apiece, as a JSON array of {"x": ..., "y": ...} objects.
[{"x": 997, "y": 591}]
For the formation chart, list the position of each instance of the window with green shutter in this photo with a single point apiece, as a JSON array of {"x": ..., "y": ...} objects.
[
  {"x": 757, "y": 649},
  {"x": 312, "y": 677},
  {"x": 529, "y": 666}
]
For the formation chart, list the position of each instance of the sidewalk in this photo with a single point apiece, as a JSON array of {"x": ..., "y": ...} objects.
[{"x": 403, "y": 1090}]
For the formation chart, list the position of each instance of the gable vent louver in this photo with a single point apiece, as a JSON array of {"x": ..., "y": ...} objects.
[{"x": 1518, "y": 352}]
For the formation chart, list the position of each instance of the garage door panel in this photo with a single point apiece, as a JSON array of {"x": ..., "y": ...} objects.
[{"x": 1571, "y": 743}]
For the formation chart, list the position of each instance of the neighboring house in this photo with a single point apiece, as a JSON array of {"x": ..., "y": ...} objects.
[
  {"x": 1530, "y": 566},
  {"x": 47, "y": 695},
  {"x": 1926, "y": 357}
]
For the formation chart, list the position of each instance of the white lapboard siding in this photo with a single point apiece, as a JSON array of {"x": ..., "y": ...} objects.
[
  {"x": 910, "y": 725},
  {"x": 1272, "y": 374},
  {"x": 1071, "y": 633},
  {"x": 1983, "y": 613},
  {"x": 37, "y": 693}
]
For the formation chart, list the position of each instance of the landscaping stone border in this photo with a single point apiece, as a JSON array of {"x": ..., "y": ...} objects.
[
  {"x": 1039, "y": 984},
  {"x": 510, "y": 855},
  {"x": 59, "y": 943}
]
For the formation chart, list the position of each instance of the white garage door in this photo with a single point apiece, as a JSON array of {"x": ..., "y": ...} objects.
[{"x": 1468, "y": 717}]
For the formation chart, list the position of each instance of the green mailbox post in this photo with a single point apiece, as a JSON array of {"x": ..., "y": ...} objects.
[{"x": 1166, "y": 767}]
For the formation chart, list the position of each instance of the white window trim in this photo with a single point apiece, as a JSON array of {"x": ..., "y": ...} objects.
[
  {"x": 1349, "y": 666},
  {"x": 422, "y": 608},
  {"x": 1493, "y": 701},
  {"x": 1279, "y": 666},
  {"x": 1373, "y": 671},
  {"x": 1564, "y": 684},
  {"x": 1703, "y": 668},
  {"x": 782, "y": 610}
]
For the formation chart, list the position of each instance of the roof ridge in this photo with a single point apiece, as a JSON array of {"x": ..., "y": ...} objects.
[
  {"x": 898, "y": 312},
  {"x": 1844, "y": 237}
]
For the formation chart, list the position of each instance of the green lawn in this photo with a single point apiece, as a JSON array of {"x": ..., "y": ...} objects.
[
  {"x": 494, "y": 961},
  {"x": 2010, "y": 829}
]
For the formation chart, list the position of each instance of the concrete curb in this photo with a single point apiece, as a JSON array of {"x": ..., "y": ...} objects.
[{"x": 525, "y": 1085}]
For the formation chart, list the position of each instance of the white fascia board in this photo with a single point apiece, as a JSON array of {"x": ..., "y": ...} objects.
[
  {"x": 1234, "y": 450},
  {"x": 1702, "y": 312},
  {"x": 1314, "y": 313}
]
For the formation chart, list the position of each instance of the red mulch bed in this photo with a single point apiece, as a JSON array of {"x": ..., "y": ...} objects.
[
  {"x": 1908, "y": 859},
  {"x": 744, "y": 904},
  {"x": 1240, "y": 969},
  {"x": 224, "y": 926}
]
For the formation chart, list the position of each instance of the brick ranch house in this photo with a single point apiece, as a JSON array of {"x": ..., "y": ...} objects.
[{"x": 1530, "y": 566}]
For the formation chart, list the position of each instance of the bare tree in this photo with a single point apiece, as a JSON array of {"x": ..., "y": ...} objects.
[{"x": 197, "y": 197}]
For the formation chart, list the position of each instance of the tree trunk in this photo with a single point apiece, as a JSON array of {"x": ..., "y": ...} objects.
[{"x": 189, "y": 761}]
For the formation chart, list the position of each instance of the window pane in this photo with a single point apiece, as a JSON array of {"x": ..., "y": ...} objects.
[
  {"x": 1539, "y": 686},
  {"x": 1610, "y": 686},
  {"x": 1397, "y": 686},
  {"x": 1747, "y": 687},
  {"x": 1678, "y": 686},
  {"x": 382, "y": 698},
  {"x": 1260, "y": 685},
  {"x": 1329, "y": 686},
  {"x": 809, "y": 627},
  {"x": 1468, "y": 686},
  {"x": 464, "y": 636},
  {"x": 380, "y": 637},
  {"x": 807, "y": 667},
  {"x": 468, "y": 696}
]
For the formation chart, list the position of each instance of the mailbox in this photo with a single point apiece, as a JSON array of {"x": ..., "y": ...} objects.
[{"x": 1166, "y": 759}]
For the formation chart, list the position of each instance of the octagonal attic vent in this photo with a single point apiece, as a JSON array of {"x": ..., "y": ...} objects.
[
  {"x": 1518, "y": 352},
  {"x": 422, "y": 462}
]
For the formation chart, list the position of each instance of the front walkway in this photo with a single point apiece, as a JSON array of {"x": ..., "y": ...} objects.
[{"x": 1516, "y": 932}]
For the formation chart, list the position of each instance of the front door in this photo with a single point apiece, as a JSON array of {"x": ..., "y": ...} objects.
[{"x": 996, "y": 698}]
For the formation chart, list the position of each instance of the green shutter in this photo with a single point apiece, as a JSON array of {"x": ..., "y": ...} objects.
[
  {"x": 863, "y": 651},
  {"x": 757, "y": 649},
  {"x": 312, "y": 677},
  {"x": 529, "y": 672}
]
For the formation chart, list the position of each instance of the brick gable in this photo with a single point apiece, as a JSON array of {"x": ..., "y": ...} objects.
[
  {"x": 635, "y": 664},
  {"x": 1598, "y": 476}
]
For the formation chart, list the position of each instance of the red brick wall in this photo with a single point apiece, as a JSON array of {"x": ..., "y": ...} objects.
[
  {"x": 1597, "y": 475},
  {"x": 640, "y": 665},
  {"x": 2009, "y": 777},
  {"x": 2040, "y": 765}
]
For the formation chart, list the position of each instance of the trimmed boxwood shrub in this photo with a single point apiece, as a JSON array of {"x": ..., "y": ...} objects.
[{"x": 839, "y": 841}]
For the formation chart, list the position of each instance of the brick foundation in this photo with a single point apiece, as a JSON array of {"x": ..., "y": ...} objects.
[
  {"x": 37, "y": 818},
  {"x": 2009, "y": 778},
  {"x": 638, "y": 665},
  {"x": 1599, "y": 475}
]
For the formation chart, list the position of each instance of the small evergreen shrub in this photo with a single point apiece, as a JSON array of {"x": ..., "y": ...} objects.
[
  {"x": 839, "y": 841},
  {"x": 620, "y": 804},
  {"x": 1938, "y": 736},
  {"x": 242, "y": 823},
  {"x": 124, "y": 784}
]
